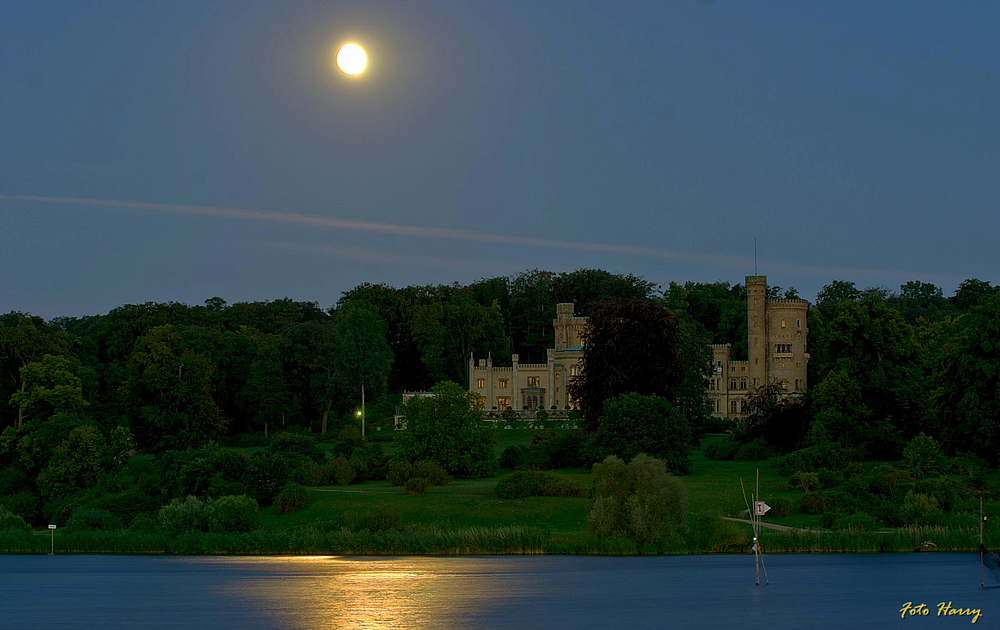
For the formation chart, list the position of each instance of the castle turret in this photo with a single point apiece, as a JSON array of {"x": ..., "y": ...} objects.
[{"x": 757, "y": 329}]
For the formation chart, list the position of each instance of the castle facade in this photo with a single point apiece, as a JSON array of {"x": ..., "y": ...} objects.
[{"x": 777, "y": 353}]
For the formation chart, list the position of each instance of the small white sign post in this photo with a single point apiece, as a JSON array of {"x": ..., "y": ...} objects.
[{"x": 52, "y": 530}]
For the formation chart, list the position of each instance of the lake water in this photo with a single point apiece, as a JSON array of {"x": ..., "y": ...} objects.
[{"x": 806, "y": 591}]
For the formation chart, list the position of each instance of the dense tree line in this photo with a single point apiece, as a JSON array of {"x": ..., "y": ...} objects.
[{"x": 78, "y": 394}]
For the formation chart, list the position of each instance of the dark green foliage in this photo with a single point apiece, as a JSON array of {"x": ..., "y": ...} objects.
[
  {"x": 513, "y": 456},
  {"x": 826, "y": 455},
  {"x": 25, "y": 504},
  {"x": 417, "y": 485},
  {"x": 402, "y": 471},
  {"x": 520, "y": 484},
  {"x": 86, "y": 519},
  {"x": 292, "y": 499},
  {"x": 189, "y": 515},
  {"x": 754, "y": 451},
  {"x": 780, "y": 506},
  {"x": 143, "y": 523},
  {"x": 399, "y": 472},
  {"x": 813, "y": 503},
  {"x": 630, "y": 346},
  {"x": 967, "y": 398},
  {"x": 722, "y": 449},
  {"x": 266, "y": 475},
  {"x": 447, "y": 428},
  {"x": 634, "y": 424},
  {"x": 11, "y": 521},
  {"x": 923, "y": 457},
  {"x": 302, "y": 444},
  {"x": 640, "y": 501},
  {"x": 432, "y": 472},
  {"x": 532, "y": 483},
  {"x": 556, "y": 449},
  {"x": 345, "y": 469},
  {"x": 231, "y": 513},
  {"x": 167, "y": 395}
]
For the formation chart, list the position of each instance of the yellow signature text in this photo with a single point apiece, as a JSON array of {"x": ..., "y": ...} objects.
[{"x": 943, "y": 610}]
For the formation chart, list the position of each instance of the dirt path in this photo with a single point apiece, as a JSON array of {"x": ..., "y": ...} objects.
[{"x": 780, "y": 528}]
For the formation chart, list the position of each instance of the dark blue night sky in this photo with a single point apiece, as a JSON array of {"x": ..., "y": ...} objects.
[{"x": 854, "y": 140}]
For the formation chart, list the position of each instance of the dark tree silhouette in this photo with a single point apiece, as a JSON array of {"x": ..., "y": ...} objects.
[{"x": 630, "y": 346}]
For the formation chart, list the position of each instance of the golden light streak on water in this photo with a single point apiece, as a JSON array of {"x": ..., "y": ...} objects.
[{"x": 372, "y": 594}]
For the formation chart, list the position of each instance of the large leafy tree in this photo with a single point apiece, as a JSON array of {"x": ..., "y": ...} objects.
[
  {"x": 23, "y": 339},
  {"x": 634, "y": 424},
  {"x": 51, "y": 386},
  {"x": 630, "y": 346},
  {"x": 365, "y": 358},
  {"x": 448, "y": 428},
  {"x": 448, "y": 333},
  {"x": 167, "y": 395},
  {"x": 967, "y": 396},
  {"x": 872, "y": 396}
]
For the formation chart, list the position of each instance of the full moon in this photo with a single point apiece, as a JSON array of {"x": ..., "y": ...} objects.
[{"x": 351, "y": 59}]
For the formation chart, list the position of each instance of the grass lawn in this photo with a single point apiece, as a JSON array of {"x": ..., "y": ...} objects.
[
  {"x": 714, "y": 489},
  {"x": 459, "y": 504}
]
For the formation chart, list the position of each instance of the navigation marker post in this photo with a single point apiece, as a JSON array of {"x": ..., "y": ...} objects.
[
  {"x": 759, "y": 509},
  {"x": 52, "y": 530}
]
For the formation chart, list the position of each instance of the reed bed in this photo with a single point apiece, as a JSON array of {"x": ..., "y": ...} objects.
[{"x": 710, "y": 536}]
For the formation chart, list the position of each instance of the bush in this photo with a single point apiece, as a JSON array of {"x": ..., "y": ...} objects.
[
  {"x": 86, "y": 519},
  {"x": 11, "y": 521},
  {"x": 292, "y": 499},
  {"x": 513, "y": 456},
  {"x": 432, "y": 472},
  {"x": 806, "y": 481},
  {"x": 559, "y": 486},
  {"x": 781, "y": 506},
  {"x": 829, "y": 478},
  {"x": 189, "y": 515},
  {"x": 721, "y": 450},
  {"x": 399, "y": 472},
  {"x": 417, "y": 485},
  {"x": 633, "y": 424},
  {"x": 826, "y": 455},
  {"x": 448, "y": 428},
  {"x": 641, "y": 501},
  {"x": 918, "y": 509},
  {"x": 24, "y": 503},
  {"x": 231, "y": 513},
  {"x": 298, "y": 443},
  {"x": 923, "y": 457},
  {"x": 143, "y": 523},
  {"x": 520, "y": 484},
  {"x": 754, "y": 451},
  {"x": 344, "y": 470},
  {"x": 402, "y": 471},
  {"x": 812, "y": 503}
]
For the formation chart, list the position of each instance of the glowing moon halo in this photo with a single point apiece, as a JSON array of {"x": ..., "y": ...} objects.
[{"x": 351, "y": 59}]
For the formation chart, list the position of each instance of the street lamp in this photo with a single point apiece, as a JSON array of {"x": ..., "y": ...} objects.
[{"x": 362, "y": 416}]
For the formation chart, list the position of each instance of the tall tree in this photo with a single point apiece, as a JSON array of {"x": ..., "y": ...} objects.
[
  {"x": 630, "y": 346},
  {"x": 365, "y": 358},
  {"x": 51, "y": 386},
  {"x": 967, "y": 393},
  {"x": 167, "y": 394}
]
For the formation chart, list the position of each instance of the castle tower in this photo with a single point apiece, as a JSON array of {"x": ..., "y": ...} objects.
[{"x": 757, "y": 330}]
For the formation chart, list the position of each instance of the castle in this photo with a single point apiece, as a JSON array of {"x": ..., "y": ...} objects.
[
  {"x": 776, "y": 343},
  {"x": 776, "y": 351}
]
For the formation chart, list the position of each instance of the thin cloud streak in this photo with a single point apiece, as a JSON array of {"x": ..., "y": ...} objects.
[
  {"x": 250, "y": 214},
  {"x": 368, "y": 256}
]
